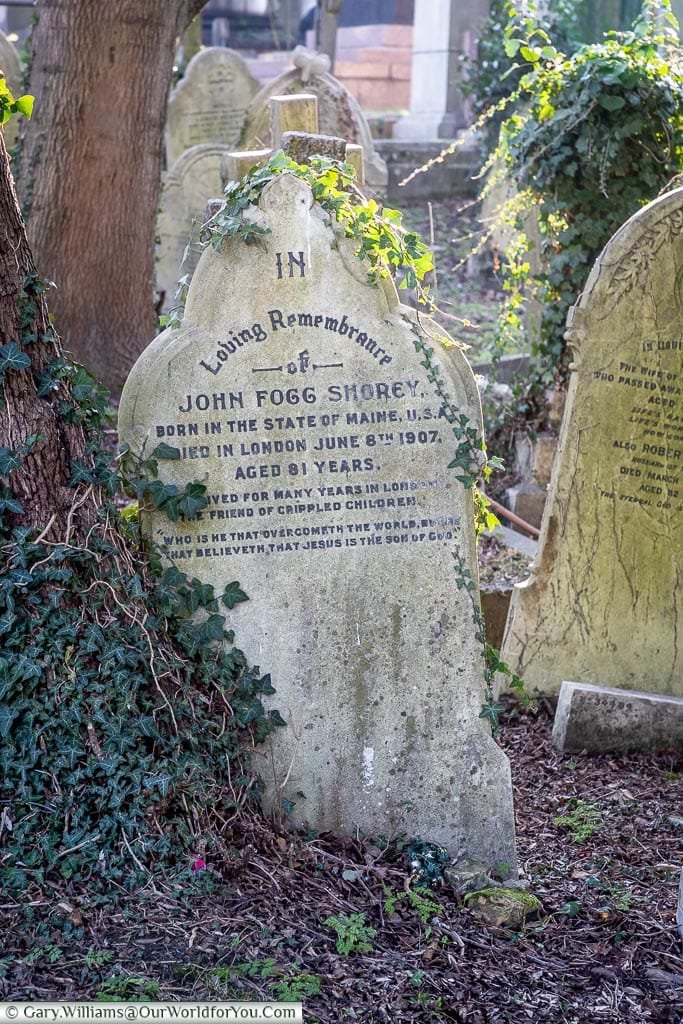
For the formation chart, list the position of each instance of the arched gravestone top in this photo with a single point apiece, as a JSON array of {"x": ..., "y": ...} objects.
[
  {"x": 294, "y": 390},
  {"x": 338, "y": 114},
  {"x": 10, "y": 66},
  {"x": 603, "y": 604},
  {"x": 209, "y": 103},
  {"x": 194, "y": 179}
]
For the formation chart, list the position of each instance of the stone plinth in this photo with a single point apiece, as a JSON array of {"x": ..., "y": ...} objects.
[{"x": 603, "y": 720}]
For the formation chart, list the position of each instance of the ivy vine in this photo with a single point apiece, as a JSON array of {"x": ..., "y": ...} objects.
[{"x": 127, "y": 714}]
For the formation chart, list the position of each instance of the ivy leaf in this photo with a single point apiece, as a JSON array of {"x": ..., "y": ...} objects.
[
  {"x": 9, "y": 460},
  {"x": 12, "y": 358},
  {"x": 24, "y": 105},
  {"x": 610, "y": 102},
  {"x": 233, "y": 594},
  {"x": 193, "y": 500},
  {"x": 166, "y": 451}
]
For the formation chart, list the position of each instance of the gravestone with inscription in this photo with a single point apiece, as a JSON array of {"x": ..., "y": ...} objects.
[
  {"x": 308, "y": 401},
  {"x": 187, "y": 187},
  {"x": 603, "y": 604},
  {"x": 208, "y": 105}
]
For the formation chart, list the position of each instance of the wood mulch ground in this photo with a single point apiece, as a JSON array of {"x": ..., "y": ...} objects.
[{"x": 604, "y": 948}]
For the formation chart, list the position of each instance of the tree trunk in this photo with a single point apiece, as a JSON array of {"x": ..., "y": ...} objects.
[
  {"x": 91, "y": 167},
  {"x": 39, "y": 482}
]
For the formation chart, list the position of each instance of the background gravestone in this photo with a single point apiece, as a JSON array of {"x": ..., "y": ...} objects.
[
  {"x": 293, "y": 389},
  {"x": 10, "y": 66},
  {"x": 209, "y": 103},
  {"x": 187, "y": 187},
  {"x": 338, "y": 114},
  {"x": 603, "y": 604}
]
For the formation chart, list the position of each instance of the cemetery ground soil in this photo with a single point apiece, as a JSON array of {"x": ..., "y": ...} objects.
[{"x": 604, "y": 947}]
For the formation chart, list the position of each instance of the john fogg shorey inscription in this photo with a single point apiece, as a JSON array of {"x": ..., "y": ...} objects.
[
  {"x": 295, "y": 391},
  {"x": 603, "y": 605}
]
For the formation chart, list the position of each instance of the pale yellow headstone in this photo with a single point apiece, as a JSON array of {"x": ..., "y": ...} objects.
[
  {"x": 338, "y": 114},
  {"x": 603, "y": 605}
]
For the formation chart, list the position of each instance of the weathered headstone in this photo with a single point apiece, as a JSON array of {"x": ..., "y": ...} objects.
[
  {"x": 10, "y": 66},
  {"x": 603, "y": 603},
  {"x": 294, "y": 390},
  {"x": 338, "y": 113},
  {"x": 208, "y": 105},
  {"x": 187, "y": 187}
]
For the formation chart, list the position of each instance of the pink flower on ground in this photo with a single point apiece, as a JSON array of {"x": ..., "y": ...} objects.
[{"x": 199, "y": 864}]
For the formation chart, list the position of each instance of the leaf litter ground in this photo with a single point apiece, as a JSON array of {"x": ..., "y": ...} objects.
[{"x": 605, "y": 947}]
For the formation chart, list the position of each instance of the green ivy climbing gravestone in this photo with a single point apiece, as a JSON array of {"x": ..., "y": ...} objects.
[{"x": 315, "y": 409}]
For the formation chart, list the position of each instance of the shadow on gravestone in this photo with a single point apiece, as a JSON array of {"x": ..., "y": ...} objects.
[
  {"x": 295, "y": 392},
  {"x": 603, "y": 604}
]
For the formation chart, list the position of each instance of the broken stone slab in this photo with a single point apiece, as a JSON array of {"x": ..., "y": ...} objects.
[{"x": 600, "y": 720}]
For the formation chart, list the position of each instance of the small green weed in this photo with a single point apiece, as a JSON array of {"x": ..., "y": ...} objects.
[
  {"x": 583, "y": 820},
  {"x": 98, "y": 957},
  {"x": 256, "y": 968},
  {"x": 353, "y": 934},
  {"x": 127, "y": 989},
  {"x": 50, "y": 953},
  {"x": 296, "y": 987},
  {"x": 419, "y": 899}
]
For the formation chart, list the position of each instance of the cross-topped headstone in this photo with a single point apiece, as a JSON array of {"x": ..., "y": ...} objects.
[
  {"x": 338, "y": 114},
  {"x": 293, "y": 119}
]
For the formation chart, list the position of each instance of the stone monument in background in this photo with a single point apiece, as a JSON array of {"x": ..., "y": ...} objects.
[
  {"x": 208, "y": 105},
  {"x": 338, "y": 112},
  {"x": 194, "y": 179},
  {"x": 604, "y": 603},
  {"x": 315, "y": 409}
]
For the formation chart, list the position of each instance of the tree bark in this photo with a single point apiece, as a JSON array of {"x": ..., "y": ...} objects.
[
  {"x": 40, "y": 483},
  {"x": 91, "y": 167}
]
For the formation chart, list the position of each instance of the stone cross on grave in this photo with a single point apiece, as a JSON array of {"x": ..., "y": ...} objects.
[{"x": 294, "y": 126}]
